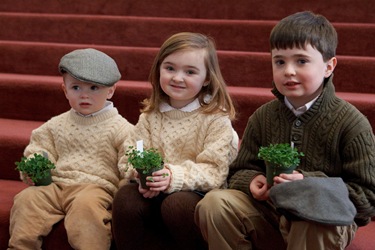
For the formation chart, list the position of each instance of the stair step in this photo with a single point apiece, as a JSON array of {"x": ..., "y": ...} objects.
[
  {"x": 249, "y": 35},
  {"x": 14, "y": 136},
  {"x": 247, "y": 69},
  {"x": 334, "y": 10},
  {"x": 48, "y": 99}
]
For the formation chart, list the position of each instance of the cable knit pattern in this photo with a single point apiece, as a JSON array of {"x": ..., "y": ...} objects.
[
  {"x": 84, "y": 149},
  {"x": 197, "y": 148},
  {"x": 336, "y": 138}
]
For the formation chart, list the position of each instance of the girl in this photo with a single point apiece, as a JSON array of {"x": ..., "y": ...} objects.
[{"x": 187, "y": 119}]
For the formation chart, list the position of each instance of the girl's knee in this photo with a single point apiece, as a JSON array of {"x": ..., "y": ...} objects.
[{"x": 181, "y": 201}]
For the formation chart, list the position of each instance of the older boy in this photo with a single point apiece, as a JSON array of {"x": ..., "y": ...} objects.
[
  {"x": 85, "y": 143},
  {"x": 336, "y": 138}
]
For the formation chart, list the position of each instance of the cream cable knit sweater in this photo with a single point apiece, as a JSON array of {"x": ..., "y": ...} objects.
[
  {"x": 197, "y": 148},
  {"x": 84, "y": 149}
]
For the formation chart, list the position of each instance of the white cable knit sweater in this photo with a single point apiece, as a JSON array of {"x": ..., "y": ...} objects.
[
  {"x": 84, "y": 149},
  {"x": 197, "y": 147}
]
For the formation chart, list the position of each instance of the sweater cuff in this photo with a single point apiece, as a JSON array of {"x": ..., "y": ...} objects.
[{"x": 177, "y": 178}]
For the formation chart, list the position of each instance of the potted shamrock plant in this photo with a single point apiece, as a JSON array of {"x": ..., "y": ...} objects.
[
  {"x": 279, "y": 158},
  {"x": 37, "y": 168},
  {"x": 145, "y": 162}
]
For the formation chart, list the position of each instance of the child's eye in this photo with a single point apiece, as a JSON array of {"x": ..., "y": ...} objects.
[
  {"x": 302, "y": 61},
  {"x": 279, "y": 62},
  {"x": 190, "y": 72},
  {"x": 93, "y": 87},
  {"x": 75, "y": 87},
  {"x": 169, "y": 68}
]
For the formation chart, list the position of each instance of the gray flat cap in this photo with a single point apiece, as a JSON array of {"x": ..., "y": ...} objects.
[{"x": 90, "y": 65}]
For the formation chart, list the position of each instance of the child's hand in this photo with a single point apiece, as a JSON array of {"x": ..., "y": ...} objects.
[
  {"x": 147, "y": 193},
  {"x": 161, "y": 180},
  {"x": 287, "y": 177},
  {"x": 26, "y": 179},
  {"x": 259, "y": 189}
]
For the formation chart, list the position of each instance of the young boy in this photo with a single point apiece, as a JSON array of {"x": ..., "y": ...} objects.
[
  {"x": 85, "y": 143},
  {"x": 336, "y": 138}
]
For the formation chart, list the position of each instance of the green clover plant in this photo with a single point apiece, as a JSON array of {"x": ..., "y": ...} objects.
[
  {"x": 37, "y": 167},
  {"x": 281, "y": 155},
  {"x": 145, "y": 161}
]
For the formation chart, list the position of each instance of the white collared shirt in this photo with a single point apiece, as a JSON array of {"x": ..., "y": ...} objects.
[
  {"x": 194, "y": 105},
  {"x": 300, "y": 110},
  {"x": 165, "y": 107}
]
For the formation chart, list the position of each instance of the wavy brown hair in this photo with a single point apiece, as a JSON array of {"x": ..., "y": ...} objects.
[{"x": 221, "y": 100}]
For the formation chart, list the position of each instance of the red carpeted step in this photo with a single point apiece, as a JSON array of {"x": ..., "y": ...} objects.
[
  {"x": 14, "y": 136},
  {"x": 248, "y": 35},
  {"x": 245, "y": 69},
  {"x": 38, "y": 91},
  {"x": 335, "y": 10}
]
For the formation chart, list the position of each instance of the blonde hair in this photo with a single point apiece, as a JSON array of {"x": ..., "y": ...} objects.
[{"x": 220, "y": 101}]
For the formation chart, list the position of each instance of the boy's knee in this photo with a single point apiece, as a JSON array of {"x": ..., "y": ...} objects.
[
  {"x": 27, "y": 195},
  {"x": 213, "y": 197}
]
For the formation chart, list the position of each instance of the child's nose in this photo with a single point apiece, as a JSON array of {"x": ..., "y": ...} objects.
[
  {"x": 84, "y": 94},
  {"x": 289, "y": 70},
  {"x": 178, "y": 77}
]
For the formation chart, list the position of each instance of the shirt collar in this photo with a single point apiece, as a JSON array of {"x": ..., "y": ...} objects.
[
  {"x": 107, "y": 106},
  {"x": 300, "y": 110},
  {"x": 165, "y": 107}
]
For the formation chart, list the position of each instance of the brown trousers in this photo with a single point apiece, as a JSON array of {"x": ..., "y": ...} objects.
[
  {"x": 230, "y": 219},
  {"x": 163, "y": 222},
  {"x": 84, "y": 208}
]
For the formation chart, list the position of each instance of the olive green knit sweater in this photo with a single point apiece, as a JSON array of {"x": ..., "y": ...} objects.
[{"x": 335, "y": 137}]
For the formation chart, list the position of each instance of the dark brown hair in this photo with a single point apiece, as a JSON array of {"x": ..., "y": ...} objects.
[{"x": 304, "y": 28}]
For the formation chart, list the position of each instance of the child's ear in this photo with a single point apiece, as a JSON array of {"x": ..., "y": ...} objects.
[
  {"x": 111, "y": 91},
  {"x": 331, "y": 64},
  {"x": 63, "y": 87}
]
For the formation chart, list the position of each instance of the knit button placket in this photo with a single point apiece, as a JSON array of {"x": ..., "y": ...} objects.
[
  {"x": 298, "y": 123},
  {"x": 296, "y": 132}
]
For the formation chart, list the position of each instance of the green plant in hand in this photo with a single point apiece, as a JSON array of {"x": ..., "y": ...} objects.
[
  {"x": 281, "y": 155},
  {"x": 37, "y": 167},
  {"x": 144, "y": 161}
]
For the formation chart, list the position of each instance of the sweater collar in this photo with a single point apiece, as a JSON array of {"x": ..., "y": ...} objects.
[
  {"x": 327, "y": 95},
  {"x": 90, "y": 120}
]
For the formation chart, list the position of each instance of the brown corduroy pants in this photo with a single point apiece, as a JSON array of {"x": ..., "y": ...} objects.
[{"x": 83, "y": 207}]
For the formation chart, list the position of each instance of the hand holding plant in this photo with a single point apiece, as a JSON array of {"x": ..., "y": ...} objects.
[
  {"x": 37, "y": 168},
  {"x": 279, "y": 158},
  {"x": 282, "y": 155},
  {"x": 145, "y": 163}
]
